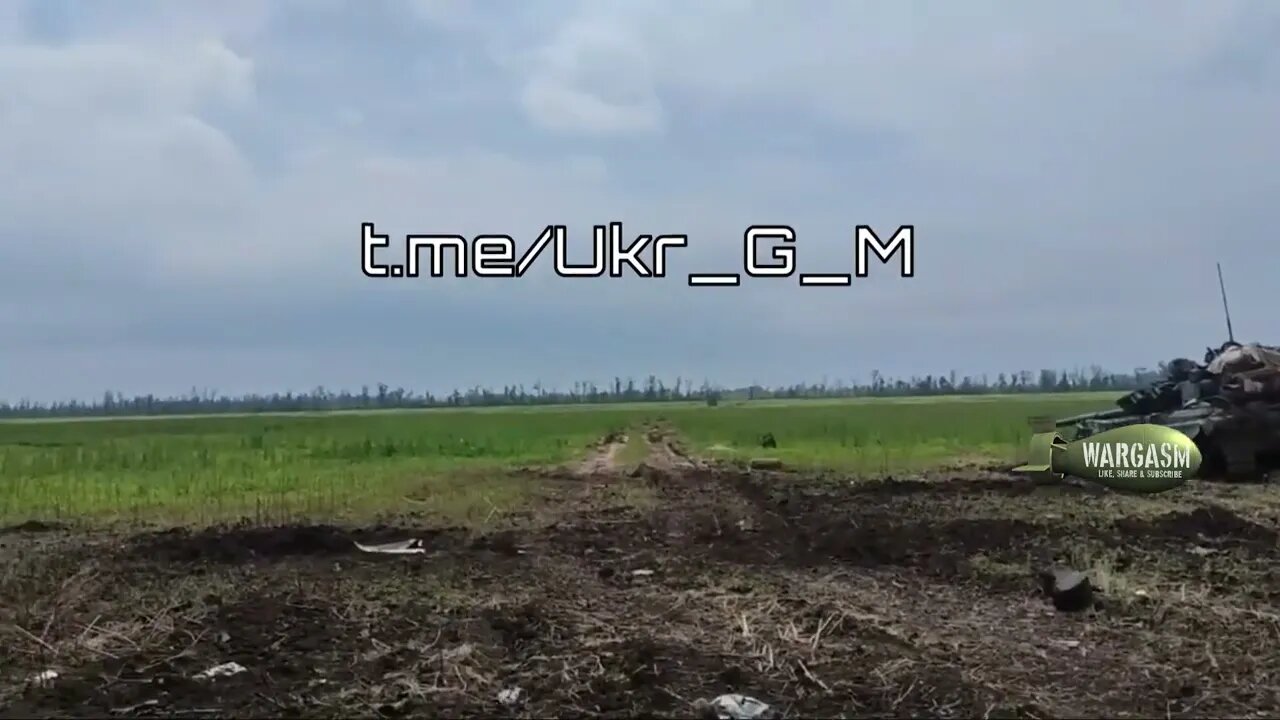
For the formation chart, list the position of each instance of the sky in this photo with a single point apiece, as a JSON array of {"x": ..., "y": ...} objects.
[{"x": 182, "y": 185}]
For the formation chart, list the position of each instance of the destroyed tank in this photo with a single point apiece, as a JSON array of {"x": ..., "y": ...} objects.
[{"x": 1229, "y": 405}]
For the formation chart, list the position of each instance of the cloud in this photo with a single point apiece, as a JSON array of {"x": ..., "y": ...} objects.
[
  {"x": 183, "y": 186},
  {"x": 593, "y": 78}
]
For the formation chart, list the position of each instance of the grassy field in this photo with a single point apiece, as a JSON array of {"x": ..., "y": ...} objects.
[
  {"x": 607, "y": 589},
  {"x": 330, "y": 465}
]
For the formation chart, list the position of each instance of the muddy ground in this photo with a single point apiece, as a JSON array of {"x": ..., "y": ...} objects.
[{"x": 641, "y": 590}]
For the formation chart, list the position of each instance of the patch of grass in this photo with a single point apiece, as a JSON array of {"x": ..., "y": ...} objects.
[
  {"x": 471, "y": 498},
  {"x": 210, "y": 469},
  {"x": 880, "y": 437},
  {"x": 452, "y": 463}
]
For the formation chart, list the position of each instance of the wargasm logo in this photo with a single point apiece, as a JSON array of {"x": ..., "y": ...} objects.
[
  {"x": 1136, "y": 458},
  {"x": 1120, "y": 459}
]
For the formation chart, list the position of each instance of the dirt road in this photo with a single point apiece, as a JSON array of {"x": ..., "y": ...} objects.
[{"x": 642, "y": 592}]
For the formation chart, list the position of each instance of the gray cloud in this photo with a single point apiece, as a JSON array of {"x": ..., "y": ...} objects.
[{"x": 182, "y": 187}]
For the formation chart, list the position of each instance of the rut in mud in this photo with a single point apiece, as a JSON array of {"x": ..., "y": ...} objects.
[
  {"x": 603, "y": 460},
  {"x": 820, "y": 597}
]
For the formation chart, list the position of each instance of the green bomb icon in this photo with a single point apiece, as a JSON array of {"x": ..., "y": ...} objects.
[{"x": 1135, "y": 458}]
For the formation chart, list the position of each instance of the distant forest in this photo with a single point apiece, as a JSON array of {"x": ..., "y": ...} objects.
[{"x": 628, "y": 390}]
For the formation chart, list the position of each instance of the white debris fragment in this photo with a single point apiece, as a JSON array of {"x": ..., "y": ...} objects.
[
  {"x": 642, "y": 572},
  {"x": 509, "y": 696},
  {"x": 404, "y": 547},
  {"x": 44, "y": 678},
  {"x": 1140, "y": 593},
  {"x": 738, "y": 707},
  {"x": 457, "y": 653},
  {"x": 135, "y": 708},
  {"x": 223, "y": 670}
]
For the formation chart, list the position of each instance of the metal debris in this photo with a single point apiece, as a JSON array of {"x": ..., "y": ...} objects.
[
  {"x": 134, "y": 708},
  {"x": 404, "y": 547},
  {"x": 1070, "y": 589},
  {"x": 509, "y": 696},
  {"x": 642, "y": 572},
  {"x": 44, "y": 678},
  {"x": 738, "y": 707},
  {"x": 223, "y": 670}
]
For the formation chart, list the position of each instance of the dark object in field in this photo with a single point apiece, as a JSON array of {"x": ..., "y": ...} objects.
[
  {"x": 646, "y": 472},
  {"x": 767, "y": 441},
  {"x": 765, "y": 464},
  {"x": 33, "y": 526},
  {"x": 1070, "y": 590}
]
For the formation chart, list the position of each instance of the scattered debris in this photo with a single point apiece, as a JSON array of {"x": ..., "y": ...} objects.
[
  {"x": 404, "y": 547},
  {"x": 44, "y": 678},
  {"x": 130, "y": 710},
  {"x": 460, "y": 652},
  {"x": 1070, "y": 589},
  {"x": 509, "y": 696},
  {"x": 735, "y": 707},
  {"x": 766, "y": 464},
  {"x": 854, "y": 589},
  {"x": 223, "y": 670}
]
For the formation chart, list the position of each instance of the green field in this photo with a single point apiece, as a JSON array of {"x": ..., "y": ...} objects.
[{"x": 335, "y": 465}]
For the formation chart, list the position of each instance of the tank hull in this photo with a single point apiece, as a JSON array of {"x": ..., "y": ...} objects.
[
  {"x": 1239, "y": 442},
  {"x": 1229, "y": 404}
]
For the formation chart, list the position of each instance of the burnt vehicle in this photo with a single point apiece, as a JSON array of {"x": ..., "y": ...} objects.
[{"x": 1229, "y": 405}]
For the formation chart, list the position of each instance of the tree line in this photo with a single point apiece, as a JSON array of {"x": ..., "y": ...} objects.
[{"x": 628, "y": 390}]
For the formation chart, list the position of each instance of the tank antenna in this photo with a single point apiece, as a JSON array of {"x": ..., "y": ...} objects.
[{"x": 1231, "y": 336}]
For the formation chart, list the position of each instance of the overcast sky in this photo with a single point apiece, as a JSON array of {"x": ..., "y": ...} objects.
[{"x": 182, "y": 185}]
